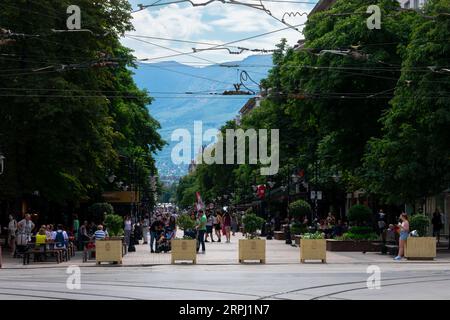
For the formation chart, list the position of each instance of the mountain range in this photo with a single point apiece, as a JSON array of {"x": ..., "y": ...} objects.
[{"x": 184, "y": 94}]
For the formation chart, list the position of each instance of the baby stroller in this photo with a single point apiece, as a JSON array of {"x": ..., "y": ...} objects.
[{"x": 164, "y": 240}]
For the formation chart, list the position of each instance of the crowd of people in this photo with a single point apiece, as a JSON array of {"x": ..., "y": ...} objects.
[
  {"x": 24, "y": 231},
  {"x": 160, "y": 228},
  {"x": 210, "y": 226}
]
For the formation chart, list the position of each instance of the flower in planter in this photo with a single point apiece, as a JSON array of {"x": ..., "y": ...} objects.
[{"x": 313, "y": 236}]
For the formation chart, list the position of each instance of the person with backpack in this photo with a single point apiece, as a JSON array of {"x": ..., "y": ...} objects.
[{"x": 60, "y": 238}]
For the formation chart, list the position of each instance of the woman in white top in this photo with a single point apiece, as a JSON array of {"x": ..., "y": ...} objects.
[{"x": 127, "y": 229}]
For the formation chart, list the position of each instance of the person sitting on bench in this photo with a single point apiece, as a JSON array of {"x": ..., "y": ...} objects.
[
  {"x": 60, "y": 238},
  {"x": 390, "y": 240}
]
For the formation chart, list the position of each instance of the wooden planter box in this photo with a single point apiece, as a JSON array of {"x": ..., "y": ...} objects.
[
  {"x": 184, "y": 250},
  {"x": 313, "y": 249},
  {"x": 297, "y": 239},
  {"x": 353, "y": 245},
  {"x": 252, "y": 249},
  {"x": 108, "y": 251},
  {"x": 279, "y": 235},
  {"x": 420, "y": 248}
]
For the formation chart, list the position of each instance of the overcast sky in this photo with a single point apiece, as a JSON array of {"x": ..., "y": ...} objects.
[{"x": 214, "y": 23}]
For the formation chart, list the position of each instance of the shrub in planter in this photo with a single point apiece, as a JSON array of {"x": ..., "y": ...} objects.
[
  {"x": 359, "y": 214},
  {"x": 420, "y": 246},
  {"x": 114, "y": 224},
  {"x": 420, "y": 223},
  {"x": 359, "y": 236},
  {"x": 361, "y": 230},
  {"x": 110, "y": 250},
  {"x": 313, "y": 247},
  {"x": 252, "y": 248},
  {"x": 299, "y": 208},
  {"x": 298, "y": 228},
  {"x": 185, "y": 223},
  {"x": 251, "y": 224}
]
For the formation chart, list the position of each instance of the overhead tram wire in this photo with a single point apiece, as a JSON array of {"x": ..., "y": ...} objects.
[
  {"x": 184, "y": 73},
  {"x": 157, "y": 3},
  {"x": 227, "y": 43},
  {"x": 196, "y": 42},
  {"x": 259, "y": 6},
  {"x": 170, "y": 49}
]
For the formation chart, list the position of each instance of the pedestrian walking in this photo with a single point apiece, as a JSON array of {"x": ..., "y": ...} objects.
[
  {"x": 128, "y": 227},
  {"x": 234, "y": 224},
  {"x": 145, "y": 227},
  {"x": 218, "y": 225},
  {"x": 227, "y": 226},
  {"x": 154, "y": 228},
  {"x": 381, "y": 222},
  {"x": 201, "y": 229},
  {"x": 404, "y": 233},
  {"x": 12, "y": 230},
  {"x": 76, "y": 228},
  {"x": 209, "y": 226},
  {"x": 436, "y": 221}
]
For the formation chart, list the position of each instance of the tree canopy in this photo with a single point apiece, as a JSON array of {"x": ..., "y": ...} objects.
[{"x": 70, "y": 112}]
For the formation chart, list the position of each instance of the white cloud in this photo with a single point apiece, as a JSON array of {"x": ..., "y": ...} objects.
[{"x": 216, "y": 23}]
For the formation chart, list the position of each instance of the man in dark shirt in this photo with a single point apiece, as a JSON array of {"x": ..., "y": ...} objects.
[{"x": 155, "y": 226}]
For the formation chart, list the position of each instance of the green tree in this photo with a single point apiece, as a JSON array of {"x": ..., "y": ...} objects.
[
  {"x": 69, "y": 103},
  {"x": 410, "y": 160}
]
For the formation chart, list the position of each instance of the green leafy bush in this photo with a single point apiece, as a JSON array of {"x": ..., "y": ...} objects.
[
  {"x": 185, "y": 222},
  {"x": 252, "y": 223},
  {"x": 99, "y": 210},
  {"x": 359, "y": 214},
  {"x": 298, "y": 228},
  {"x": 420, "y": 223},
  {"x": 356, "y": 236},
  {"x": 299, "y": 208},
  {"x": 316, "y": 235},
  {"x": 114, "y": 224},
  {"x": 361, "y": 230}
]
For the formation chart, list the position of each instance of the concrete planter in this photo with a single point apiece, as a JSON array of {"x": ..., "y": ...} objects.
[
  {"x": 420, "y": 248},
  {"x": 313, "y": 249},
  {"x": 353, "y": 245},
  {"x": 184, "y": 250},
  {"x": 252, "y": 249},
  {"x": 108, "y": 251}
]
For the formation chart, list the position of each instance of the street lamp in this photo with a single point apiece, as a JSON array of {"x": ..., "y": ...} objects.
[{"x": 2, "y": 163}]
